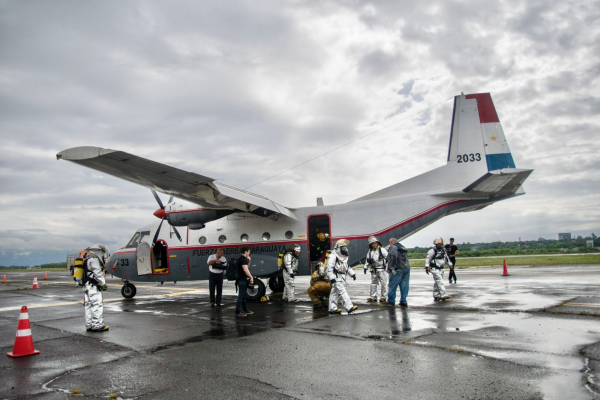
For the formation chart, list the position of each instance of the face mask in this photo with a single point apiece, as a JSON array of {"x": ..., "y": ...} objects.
[
  {"x": 344, "y": 251},
  {"x": 439, "y": 246}
]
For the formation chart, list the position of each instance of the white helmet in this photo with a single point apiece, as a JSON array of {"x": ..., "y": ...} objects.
[
  {"x": 373, "y": 239},
  {"x": 98, "y": 250},
  {"x": 342, "y": 243}
]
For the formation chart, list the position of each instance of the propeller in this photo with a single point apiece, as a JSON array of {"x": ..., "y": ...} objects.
[{"x": 160, "y": 213}]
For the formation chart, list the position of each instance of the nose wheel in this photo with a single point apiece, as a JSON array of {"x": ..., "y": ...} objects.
[{"x": 128, "y": 290}]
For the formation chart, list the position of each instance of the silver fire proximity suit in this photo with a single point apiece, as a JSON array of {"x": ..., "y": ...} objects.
[
  {"x": 379, "y": 276},
  {"x": 290, "y": 269},
  {"x": 435, "y": 261},
  {"x": 92, "y": 293},
  {"x": 337, "y": 270}
]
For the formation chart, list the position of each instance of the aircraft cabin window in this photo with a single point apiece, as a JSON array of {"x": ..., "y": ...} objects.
[
  {"x": 289, "y": 234},
  {"x": 266, "y": 236},
  {"x": 202, "y": 240},
  {"x": 244, "y": 238},
  {"x": 222, "y": 239}
]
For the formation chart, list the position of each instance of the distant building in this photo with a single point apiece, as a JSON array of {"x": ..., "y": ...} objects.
[
  {"x": 564, "y": 236},
  {"x": 589, "y": 243}
]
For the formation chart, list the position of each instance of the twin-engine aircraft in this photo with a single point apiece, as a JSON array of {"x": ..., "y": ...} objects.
[{"x": 479, "y": 171}]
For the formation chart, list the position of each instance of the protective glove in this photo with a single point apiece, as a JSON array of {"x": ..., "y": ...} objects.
[
  {"x": 427, "y": 270},
  {"x": 365, "y": 270},
  {"x": 354, "y": 276},
  {"x": 332, "y": 281},
  {"x": 104, "y": 287}
]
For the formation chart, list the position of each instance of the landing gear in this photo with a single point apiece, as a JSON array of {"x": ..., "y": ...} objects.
[
  {"x": 128, "y": 290},
  {"x": 258, "y": 291},
  {"x": 276, "y": 284}
]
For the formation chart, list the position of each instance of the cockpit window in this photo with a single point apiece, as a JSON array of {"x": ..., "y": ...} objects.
[
  {"x": 145, "y": 235},
  {"x": 135, "y": 240}
]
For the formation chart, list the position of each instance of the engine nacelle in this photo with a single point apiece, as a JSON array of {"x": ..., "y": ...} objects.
[{"x": 195, "y": 219}]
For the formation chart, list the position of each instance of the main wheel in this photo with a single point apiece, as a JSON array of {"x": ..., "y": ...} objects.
[
  {"x": 276, "y": 284},
  {"x": 128, "y": 290},
  {"x": 258, "y": 291}
]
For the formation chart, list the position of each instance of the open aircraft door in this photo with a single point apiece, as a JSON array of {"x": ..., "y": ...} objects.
[
  {"x": 319, "y": 224},
  {"x": 143, "y": 256}
]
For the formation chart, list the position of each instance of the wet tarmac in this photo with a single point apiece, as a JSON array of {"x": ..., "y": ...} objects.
[{"x": 534, "y": 334}]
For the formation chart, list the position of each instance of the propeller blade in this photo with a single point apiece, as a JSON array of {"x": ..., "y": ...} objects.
[
  {"x": 157, "y": 232},
  {"x": 157, "y": 198},
  {"x": 176, "y": 233},
  {"x": 170, "y": 199}
]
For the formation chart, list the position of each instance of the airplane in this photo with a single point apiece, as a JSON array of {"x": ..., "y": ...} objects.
[{"x": 479, "y": 171}]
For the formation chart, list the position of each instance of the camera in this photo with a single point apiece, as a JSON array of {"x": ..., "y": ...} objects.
[{"x": 219, "y": 265}]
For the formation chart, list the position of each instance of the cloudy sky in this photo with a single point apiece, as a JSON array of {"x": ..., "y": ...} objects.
[{"x": 241, "y": 90}]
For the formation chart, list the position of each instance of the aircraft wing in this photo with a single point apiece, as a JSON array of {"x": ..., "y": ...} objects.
[
  {"x": 504, "y": 182},
  {"x": 189, "y": 186}
]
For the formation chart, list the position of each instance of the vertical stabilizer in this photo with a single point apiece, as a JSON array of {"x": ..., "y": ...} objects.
[{"x": 477, "y": 134}]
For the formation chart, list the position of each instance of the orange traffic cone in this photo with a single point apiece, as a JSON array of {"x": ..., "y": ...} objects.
[
  {"x": 35, "y": 285},
  {"x": 45, "y": 275},
  {"x": 505, "y": 273},
  {"x": 4, "y": 280},
  {"x": 23, "y": 342}
]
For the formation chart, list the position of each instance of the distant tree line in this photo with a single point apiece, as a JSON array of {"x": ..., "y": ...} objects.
[
  {"x": 59, "y": 265},
  {"x": 540, "y": 246}
]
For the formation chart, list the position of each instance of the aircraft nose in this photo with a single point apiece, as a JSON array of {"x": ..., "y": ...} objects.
[{"x": 160, "y": 213}]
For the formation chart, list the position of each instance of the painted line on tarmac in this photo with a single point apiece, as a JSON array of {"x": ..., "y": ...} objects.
[{"x": 74, "y": 303}]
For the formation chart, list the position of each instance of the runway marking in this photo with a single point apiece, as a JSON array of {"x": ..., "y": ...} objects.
[
  {"x": 591, "y": 305},
  {"x": 73, "y": 303}
]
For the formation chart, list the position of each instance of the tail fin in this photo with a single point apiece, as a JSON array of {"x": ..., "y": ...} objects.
[{"x": 476, "y": 133}]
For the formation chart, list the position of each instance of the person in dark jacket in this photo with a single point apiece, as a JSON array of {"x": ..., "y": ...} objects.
[
  {"x": 399, "y": 272},
  {"x": 245, "y": 277}
]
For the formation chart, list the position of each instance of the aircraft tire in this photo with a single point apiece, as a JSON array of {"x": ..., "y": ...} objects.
[
  {"x": 128, "y": 290},
  {"x": 258, "y": 292},
  {"x": 276, "y": 284}
]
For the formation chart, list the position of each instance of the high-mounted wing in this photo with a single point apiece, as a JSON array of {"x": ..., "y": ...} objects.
[{"x": 189, "y": 186}]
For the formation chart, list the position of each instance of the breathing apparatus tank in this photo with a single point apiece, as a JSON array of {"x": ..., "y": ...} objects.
[{"x": 78, "y": 271}]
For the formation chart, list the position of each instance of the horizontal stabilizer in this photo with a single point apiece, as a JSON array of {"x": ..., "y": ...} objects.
[
  {"x": 189, "y": 186},
  {"x": 503, "y": 182}
]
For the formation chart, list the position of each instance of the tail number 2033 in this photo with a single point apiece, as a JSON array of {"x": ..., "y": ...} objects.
[{"x": 468, "y": 157}]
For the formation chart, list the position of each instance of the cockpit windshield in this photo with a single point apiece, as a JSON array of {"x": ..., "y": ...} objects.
[{"x": 137, "y": 239}]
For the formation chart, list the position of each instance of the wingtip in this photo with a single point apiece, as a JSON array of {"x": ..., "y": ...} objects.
[{"x": 82, "y": 153}]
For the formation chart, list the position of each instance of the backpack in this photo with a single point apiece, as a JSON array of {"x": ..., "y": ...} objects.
[
  {"x": 232, "y": 272},
  {"x": 81, "y": 271},
  {"x": 432, "y": 263},
  {"x": 280, "y": 261}
]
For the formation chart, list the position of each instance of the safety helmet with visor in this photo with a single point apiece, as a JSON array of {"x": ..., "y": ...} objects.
[{"x": 342, "y": 245}]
